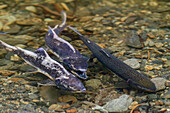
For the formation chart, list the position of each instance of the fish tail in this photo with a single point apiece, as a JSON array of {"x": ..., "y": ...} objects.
[
  {"x": 75, "y": 31},
  {"x": 59, "y": 28},
  {"x": 7, "y": 46}
]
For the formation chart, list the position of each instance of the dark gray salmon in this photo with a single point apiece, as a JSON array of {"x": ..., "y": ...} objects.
[
  {"x": 57, "y": 74},
  {"x": 121, "y": 69}
]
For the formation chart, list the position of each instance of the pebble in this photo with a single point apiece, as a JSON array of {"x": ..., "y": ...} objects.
[
  {"x": 7, "y": 20},
  {"x": 167, "y": 102},
  {"x": 3, "y": 6},
  {"x": 56, "y": 107},
  {"x": 132, "y": 63},
  {"x": 7, "y": 72},
  {"x": 167, "y": 83},
  {"x": 120, "y": 104},
  {"x": 100, "y": 108},
  {"x": 33, "y": 96},
  {"x": 12, "y": 29},
  {"x": 159, "y": 83},
  {"x": 71, "y": 110},
  {"x": 31, "y": 9},
  {"x": 167, "y": 94},
  {"x": 21, "y": 46},
  {"x": 158, "y": 45},
  {"x": 94, "y": 83},
  {"x": 28, "y": 21},
  {"x": 148, "y": 68},
  {"x": 133, "y": 40},
  {"x": 149, "y": 42},
  {"x": 152, "y": 96},
  {"x": 97, "y": 19},
  {"x": 15, "y": 58},
  {"x": 67, "y": 98},
  {"x": 86, "y": 18},
  {"x": 133, "y": 104}
]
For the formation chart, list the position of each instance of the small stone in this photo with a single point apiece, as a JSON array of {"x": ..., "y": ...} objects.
[
  {"x": 109, "y": 28},
  {"x": 71, "y": 110},
  {"x": 97, "y": 19},
  {"x": 149, "y": 42},
  {"x": 86, "y": 18},
  {"x": 153, "y": 3},
  {"x": 67, "y": 98},
  {"x": 132, "y": 63},
  {"x": 133, "y": 40},
  {"x": 21, "y": 45},
  {"x": 3, "y": 6},
  {"x": 7, "y": 19},
  {"x": 56, "y": 107},
  {"x": 7, "y": 72},
  {"x": 117, "y": 23},
  {"x": 31, "y": 9},
  {"x": 152, "y": 96},
  {"x": 120, "y": 104},
  {"x": 35, "y": 100},
  {"x": 167, "y": 94},
  {"x": 94, "y": 83},
  {"x": 158, "y": 45},
  {"x": 15, "y": 58},
  {"x": 16, "y": 79},
  {"x": 133, "y": 104},
  {"x": 99, "y": 108},
  {"x": 167, "y": 83},
  {"x": 12, "y": 29},
  {"x": 148, "y": 68},
  {"x": 15, "y": 102},
  {"x": 151, "y": 35},
  {"x": 131, "y": 19},
  {"x": 159, "y": 83},
  {"x": 28, "y": 21},
  {"x": 33, "y": 96},
  {"x": 24, "y": 102},
  {"x": 167, "y": 103}
]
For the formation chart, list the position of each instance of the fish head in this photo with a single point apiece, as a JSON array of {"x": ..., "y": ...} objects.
[
  {"x": 40, "y": 51},
  {"x": 70, "y": 83},
  {"x": 50, "y": 34}
]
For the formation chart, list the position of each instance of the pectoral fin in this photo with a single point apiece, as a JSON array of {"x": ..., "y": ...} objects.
[{"x": 47, "y": 82}]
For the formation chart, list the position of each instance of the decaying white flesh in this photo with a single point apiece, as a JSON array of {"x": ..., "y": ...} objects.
[{"x": 55, "y": 36}]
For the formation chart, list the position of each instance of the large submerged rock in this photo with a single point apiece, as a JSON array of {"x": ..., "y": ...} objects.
[{"x": 120, "y": 104}]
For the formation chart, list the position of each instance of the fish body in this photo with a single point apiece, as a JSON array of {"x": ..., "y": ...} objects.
[
  {"x": 121, "y": 69},
  {"x": 46, "y": 65},
  {"x": 71, "y": 58}
]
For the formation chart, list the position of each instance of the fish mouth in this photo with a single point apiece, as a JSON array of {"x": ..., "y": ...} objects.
[{"x": 80, "y": 91}]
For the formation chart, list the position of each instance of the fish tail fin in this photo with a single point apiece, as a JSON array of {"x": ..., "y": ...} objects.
[
  {"x": 64, "y": 18},
  {"x": 75, "y": 31},
  {"x": 7, "y": 46}
]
